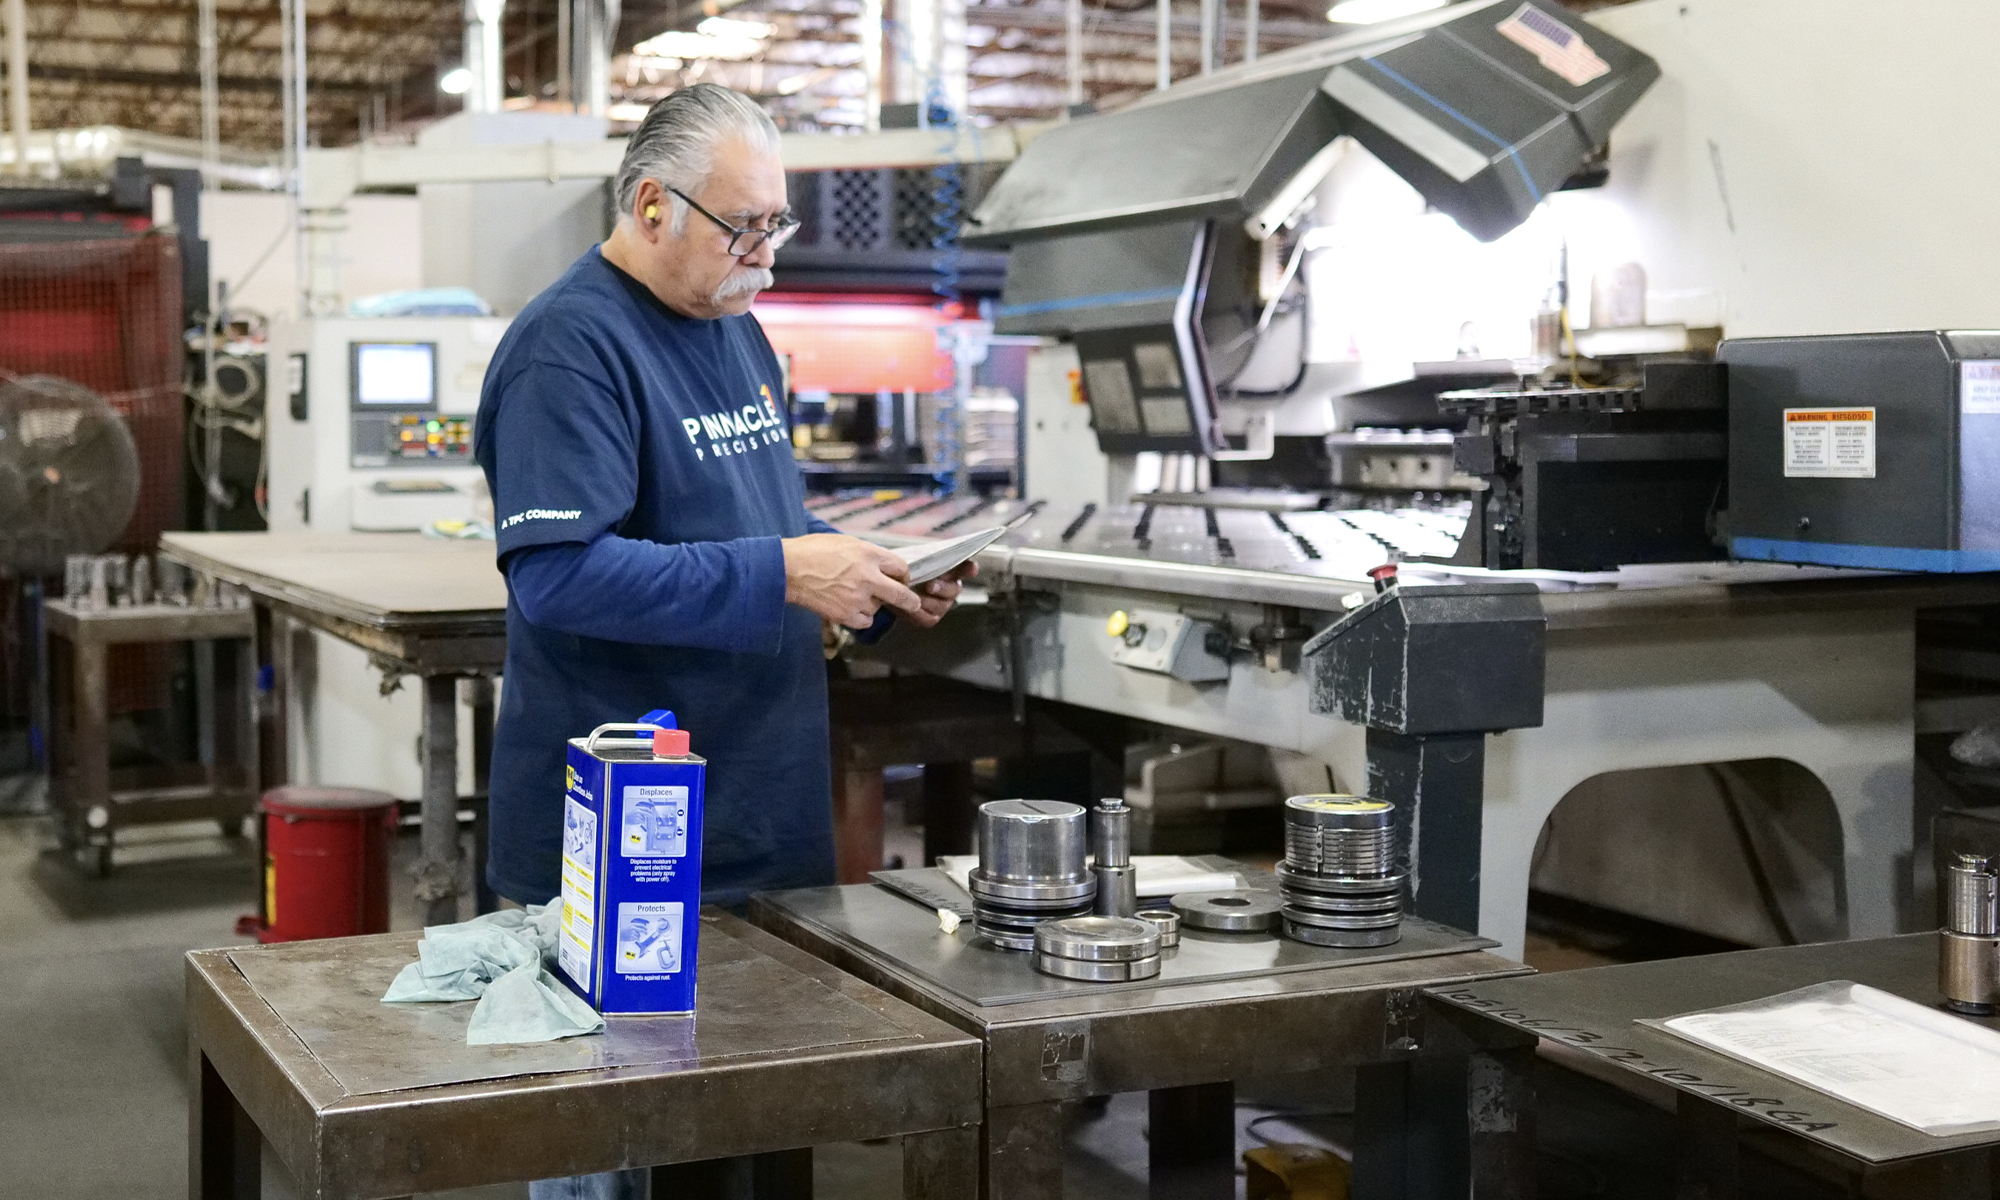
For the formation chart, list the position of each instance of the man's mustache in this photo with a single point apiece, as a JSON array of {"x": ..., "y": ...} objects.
[{"x": 742, "y": 281}]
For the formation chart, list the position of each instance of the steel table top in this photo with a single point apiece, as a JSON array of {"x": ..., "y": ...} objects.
[
  {"x": 361, "y": 1098},
  {"x": 973, "y": 972},
  {"x": 1266, "y": 1013},
  {"x": 1596, "y": 1012},
  {"x": 431, "y": 602}
]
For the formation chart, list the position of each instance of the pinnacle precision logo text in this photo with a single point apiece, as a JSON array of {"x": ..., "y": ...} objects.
[{"x": 737, "y": 432}]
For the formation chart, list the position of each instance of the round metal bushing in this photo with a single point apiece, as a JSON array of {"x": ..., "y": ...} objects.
[
  {"x": 1380, "y": 902},
  {"x": 1032, "y": 842},
  {"x": 1098, "y": 972},
  {"x": 1291, "y": 879},
  {"x": 1346, "y": 939},
  {"x": 1119, "y": 939},
  {"x": 1166, "y": 920},
  {"x": 1378, "y": 920},
  {"x": 1236, "y": 910},
  {"x": 1062, "y": 894}
]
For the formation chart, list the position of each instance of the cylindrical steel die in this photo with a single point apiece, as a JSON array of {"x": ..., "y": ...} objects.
[
  {"x": 1111, "y": 833},
  {"x": 1031, "y": 869},
  {"x": 1969, "y": 972},
  {"x": 1972, "y": 896},
  {"x": 1032, "y": 842},
  {"x": 1117, "y": 891},
  {"x": 1340, "y": 835},
  {"x": 1340, "y": 879}
]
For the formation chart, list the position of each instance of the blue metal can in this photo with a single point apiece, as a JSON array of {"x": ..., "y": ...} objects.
[{"x": 631, "y": 867}]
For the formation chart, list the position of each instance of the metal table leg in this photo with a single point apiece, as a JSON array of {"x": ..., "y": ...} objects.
[
  {"x": 1022, "y": 1152},
  {"x": 1500, "y": 1113},
  {"x": 479, "y": 698},
  {"x": 1705, "y": 1167},
  {"x": 941, "y": 1165},
  {"x": 227, "y": 1158},
  {"x": 437, "y": 868},
  {"x": 90, "y": 750},
  {"x": 1191, "y": 1142}
]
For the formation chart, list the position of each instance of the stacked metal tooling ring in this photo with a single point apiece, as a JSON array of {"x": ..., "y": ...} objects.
[
  {"x": 1969, "y": 943},
  {"x": 1098, "y": 949},
  {"x": 1031, "y": 869},
  {"x": 1341, "y": 881}
]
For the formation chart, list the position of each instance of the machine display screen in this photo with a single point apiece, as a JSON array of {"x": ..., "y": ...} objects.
[{"x": 395, "y": 374}]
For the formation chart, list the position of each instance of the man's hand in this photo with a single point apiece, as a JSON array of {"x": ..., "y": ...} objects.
[
  {"x": 845, "y": 580},
  {"x": 940, "y": 594}
]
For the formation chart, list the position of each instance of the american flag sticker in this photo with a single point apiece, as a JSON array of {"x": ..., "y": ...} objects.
[{"x": 1554, "y": 45}]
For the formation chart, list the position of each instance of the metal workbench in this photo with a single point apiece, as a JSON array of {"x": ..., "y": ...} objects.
[
  {"x": 1225, "y": 1007},
  {"x": 429, "y": 607},
  {"x": 92, "y": 801},
  {"x": 1661, "y": 665},
  {"x": 1594, "y": 1013},
  {"x": 290, "y": 1046}
]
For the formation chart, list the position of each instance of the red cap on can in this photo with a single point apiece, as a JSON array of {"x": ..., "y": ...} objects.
[{"x": 670, "y": 743}]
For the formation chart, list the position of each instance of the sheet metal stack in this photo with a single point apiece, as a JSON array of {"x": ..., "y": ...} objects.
[
  {"x": 1098, "y": 949},
  {"x": 1341, "y": 879},
  {"x": 1031, "y": 869}
]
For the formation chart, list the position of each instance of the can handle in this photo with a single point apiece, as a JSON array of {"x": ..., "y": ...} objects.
[{"x": 590, "y": 743}]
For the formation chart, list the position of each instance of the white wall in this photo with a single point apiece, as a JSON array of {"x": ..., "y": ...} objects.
[
  {"x": 380, "y": 252},
  {"x": 1855, "y": 145},
  {"x": 1801, "y": 166}
]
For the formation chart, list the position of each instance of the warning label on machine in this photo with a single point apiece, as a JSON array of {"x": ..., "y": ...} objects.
[
  {"x": 1829, "y": 443},
  {"x": 579, "y": 891}
]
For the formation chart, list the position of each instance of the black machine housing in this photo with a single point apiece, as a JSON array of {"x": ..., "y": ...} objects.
[
  {"x": 1590, "y": 479},
  {"x": 1130, "y": 231},
  {"x": 1921, "y": 492}
]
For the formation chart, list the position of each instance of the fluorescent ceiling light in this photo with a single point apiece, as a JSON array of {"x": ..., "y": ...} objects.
[
  {"x": 456, "y": 82},
  {"x": 1367, "y": 12}
]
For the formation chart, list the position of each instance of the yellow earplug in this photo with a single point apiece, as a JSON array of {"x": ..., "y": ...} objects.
[{"x": 652, "y": 211}]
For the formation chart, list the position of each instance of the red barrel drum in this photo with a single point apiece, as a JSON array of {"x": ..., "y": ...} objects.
[{"x": 326, "y": 862}]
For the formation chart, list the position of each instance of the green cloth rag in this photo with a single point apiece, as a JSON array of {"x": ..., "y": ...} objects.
[{"x": 501, "y": 960}]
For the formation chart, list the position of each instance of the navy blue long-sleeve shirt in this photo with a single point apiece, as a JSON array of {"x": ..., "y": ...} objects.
[{"x": 642, "y": 478}]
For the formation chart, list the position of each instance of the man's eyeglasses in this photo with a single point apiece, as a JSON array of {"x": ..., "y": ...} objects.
[{"x": 744, "y": 242}]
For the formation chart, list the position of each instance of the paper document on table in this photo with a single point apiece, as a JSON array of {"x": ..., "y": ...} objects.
[
  {"x": 928, "y": 560},
  {"x": 1894, "y": 1057}
]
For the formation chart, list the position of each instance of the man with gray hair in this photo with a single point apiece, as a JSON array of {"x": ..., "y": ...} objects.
[{"x": 651, "y": 520}]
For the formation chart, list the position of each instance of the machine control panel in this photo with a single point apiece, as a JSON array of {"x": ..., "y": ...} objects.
[
  {"x": 1175, "y": 644},
  {"x": 411, "y": 438}
]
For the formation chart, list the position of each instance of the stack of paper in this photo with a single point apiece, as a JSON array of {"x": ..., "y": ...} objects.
[{"x": 1894, "y": 1057}]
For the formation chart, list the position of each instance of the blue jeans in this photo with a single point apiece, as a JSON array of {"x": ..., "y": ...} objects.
[{"x": 611, "y": 1185}]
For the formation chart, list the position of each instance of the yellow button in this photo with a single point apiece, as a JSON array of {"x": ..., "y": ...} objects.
[{"x": 1118, "y": 624}]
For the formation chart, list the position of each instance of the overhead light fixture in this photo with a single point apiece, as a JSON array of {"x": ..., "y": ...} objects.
[
  {"x": 732, "y": 27},
  {"x": 1367, "y": 12},
  {"x": 716, "y": 37},
  {"x": 455, "y": 82}
]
